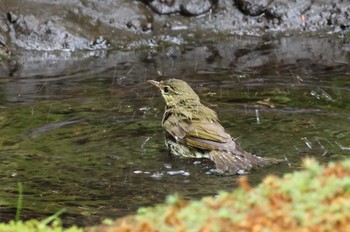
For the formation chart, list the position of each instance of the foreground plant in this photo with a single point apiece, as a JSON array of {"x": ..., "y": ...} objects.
[
  {"x": 316, "y": 199},
  {"x": 36, "y": 226}
]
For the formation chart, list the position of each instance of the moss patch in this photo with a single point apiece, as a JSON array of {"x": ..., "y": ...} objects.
[
  {"x": 36, "y": 226},
  {"x": 315, "y": 199}
]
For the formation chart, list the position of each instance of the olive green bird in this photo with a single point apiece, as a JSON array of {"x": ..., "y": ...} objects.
[{"x": 193, "y": 130}]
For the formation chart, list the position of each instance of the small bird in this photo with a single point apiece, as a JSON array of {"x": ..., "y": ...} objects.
[{"x": 193, "y": 130}]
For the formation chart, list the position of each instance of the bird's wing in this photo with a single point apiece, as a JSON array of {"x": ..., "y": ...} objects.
[
  {"x": 202, "y": 134},
  {"x": 209, "y": 136}
]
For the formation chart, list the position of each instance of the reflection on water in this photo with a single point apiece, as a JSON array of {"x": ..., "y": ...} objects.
[{"x": 84, "y": 133}]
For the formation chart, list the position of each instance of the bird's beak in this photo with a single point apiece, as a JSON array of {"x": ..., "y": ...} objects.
[{"x": 155, "y": 83}]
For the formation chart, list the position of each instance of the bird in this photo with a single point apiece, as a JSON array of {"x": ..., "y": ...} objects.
[{"x": 193, "y": 130}]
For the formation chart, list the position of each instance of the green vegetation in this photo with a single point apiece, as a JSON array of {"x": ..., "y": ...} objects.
[
  {"x": 315, "y": 199},
  {"x": 36, "y": 226}
]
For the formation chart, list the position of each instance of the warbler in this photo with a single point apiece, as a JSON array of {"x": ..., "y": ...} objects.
[{"x": 193, "y": 130}]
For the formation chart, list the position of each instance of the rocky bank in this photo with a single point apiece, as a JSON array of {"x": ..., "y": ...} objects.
[{"x": 72, "y": 25}]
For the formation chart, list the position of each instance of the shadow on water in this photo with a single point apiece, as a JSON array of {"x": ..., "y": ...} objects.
[{"x": 84, "y": 133}]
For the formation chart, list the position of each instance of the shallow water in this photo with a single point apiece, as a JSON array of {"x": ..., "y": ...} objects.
[{"x": 84, "y": 133}]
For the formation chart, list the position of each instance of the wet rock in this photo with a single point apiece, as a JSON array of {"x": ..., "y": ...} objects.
[
  {"x": 33, "y": 34},
  {"x": 252, "y": 7},
  {"x": 132, "y": 15},
  {"x": 196, "y": 7},
  {"x": 175, "y": 25},
  {"x": 5, "y": 52},
  {"x": 184, "y": 7},
  {"x": 165, "y": 7},
  {"x": 99, "y": 43},
  {"x": 70, "y": 25},
  {"x": 332, "y": 15},
  {"x": 12, "y": 18},
  {"x": 273, "y": 9},
  {"x": 289, "y": 10}
]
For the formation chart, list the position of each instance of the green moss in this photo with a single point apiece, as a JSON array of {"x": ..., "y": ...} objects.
[
  {"x": 35, "y": 226},
  {"x": 316, "y": 198}
]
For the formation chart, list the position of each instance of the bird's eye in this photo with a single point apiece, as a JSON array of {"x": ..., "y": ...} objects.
[{"x": 166, "y": 89}]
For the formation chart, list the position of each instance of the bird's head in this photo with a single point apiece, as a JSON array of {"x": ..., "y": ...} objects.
[{"x": 176, "y": 92}]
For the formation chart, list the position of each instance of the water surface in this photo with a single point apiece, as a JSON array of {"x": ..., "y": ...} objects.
[{"x": 84, "y": 133}]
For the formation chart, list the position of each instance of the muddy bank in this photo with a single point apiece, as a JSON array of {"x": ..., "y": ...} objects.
[{"x": 72, "y": 25}]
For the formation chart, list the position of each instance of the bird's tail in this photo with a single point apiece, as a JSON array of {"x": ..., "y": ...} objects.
[{"x": 229, "y": 163}]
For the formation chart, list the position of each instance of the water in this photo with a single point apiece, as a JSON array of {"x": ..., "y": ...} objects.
[{"x": 84, "y": 133}]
